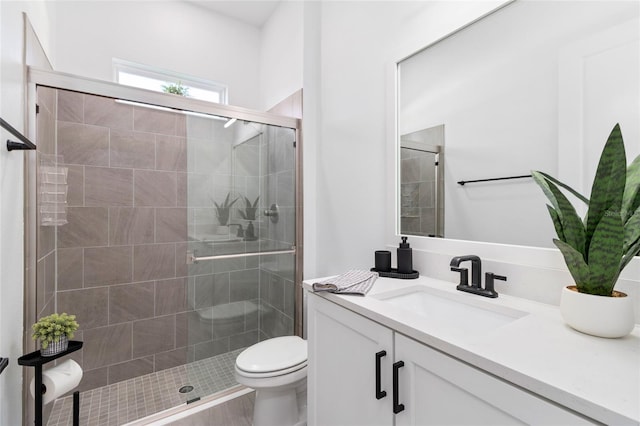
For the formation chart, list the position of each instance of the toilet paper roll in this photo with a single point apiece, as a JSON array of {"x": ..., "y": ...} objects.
[{"x": 58, "y": 380}]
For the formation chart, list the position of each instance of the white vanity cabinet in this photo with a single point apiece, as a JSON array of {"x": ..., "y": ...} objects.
[
  {"x": 341, "y": 375},
  {"x": 432, "y": 387}
]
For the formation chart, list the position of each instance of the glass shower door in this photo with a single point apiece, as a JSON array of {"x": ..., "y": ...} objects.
[{"x": 241, "y": 224}]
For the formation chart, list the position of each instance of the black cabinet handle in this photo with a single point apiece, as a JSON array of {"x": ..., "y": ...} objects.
[
  {"x": 379, "y": 392},
  {"x": 396, "y": 406}
]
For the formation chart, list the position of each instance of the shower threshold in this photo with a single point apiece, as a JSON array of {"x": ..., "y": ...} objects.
[{"x": 143, "y": 396}]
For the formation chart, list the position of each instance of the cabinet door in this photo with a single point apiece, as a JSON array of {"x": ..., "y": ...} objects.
[
  {"x": 437, "y": 389},
  {"x": 342, "y": 367}
]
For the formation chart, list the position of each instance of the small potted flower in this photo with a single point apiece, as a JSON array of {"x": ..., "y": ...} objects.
[{"x": 54, "y": 332}]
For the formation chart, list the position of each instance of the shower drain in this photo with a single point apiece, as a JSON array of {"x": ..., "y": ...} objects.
[{"x": 185, "y": 389}]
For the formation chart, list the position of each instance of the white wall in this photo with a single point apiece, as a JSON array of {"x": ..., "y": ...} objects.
[
  {"x": 359, "y": 42},
  {"x": 11, "y": 194},
  {"x": 281, "y": 55},
  {"x": 177, "y": 36}
]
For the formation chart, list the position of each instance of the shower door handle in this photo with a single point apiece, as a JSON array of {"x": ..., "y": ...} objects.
[{"x": 192, "y": 258}]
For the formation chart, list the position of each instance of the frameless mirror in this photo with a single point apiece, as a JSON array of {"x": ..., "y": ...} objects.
[{"x": 536, "y": 85}]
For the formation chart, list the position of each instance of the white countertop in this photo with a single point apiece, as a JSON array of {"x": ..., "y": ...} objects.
[{"x": 597, "y": 377}]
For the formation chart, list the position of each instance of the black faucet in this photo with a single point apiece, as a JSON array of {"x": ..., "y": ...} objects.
[
  {"x": 476, "y": 270},
  {"x": 476, "y": 274}
]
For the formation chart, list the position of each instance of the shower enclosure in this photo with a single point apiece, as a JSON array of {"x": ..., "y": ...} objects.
[{"x": 171, "y": 228}]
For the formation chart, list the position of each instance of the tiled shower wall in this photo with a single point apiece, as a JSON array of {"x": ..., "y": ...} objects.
[
  {"x": 418, "y": 196},
  {"x": 121, "y": 259}
]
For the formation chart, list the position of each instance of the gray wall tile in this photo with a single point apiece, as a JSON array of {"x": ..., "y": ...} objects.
[
  {"x": 107, "y": 112},
  {"x": 87, "y": 226},
  {"x": 170, "y": 359},
  {"x": 244, "y": 340},
  {"x": 75, "y": 185},
  {"x": 171, "y": 225},
  {"x": 251, "y": 314},
  {"x": 108, "y": 187},
  {"x": 46, "y": 240},
  {"x": 244, "y": 285},
  {"x": 104, "y": 346},
  {"x": 130, "y": 369},
  {"x": 40, "y": 284},
  {"x": 154, "y": 121},
  {"x": 190, "y": 329},
  {"x": 131, "y": 225},
  {"x": 70, "y": 268},
  {"x": 211, "y": 348},
  {"x": 88, "y": 305},
  {"x": 83, "y": 144},
  {"x": 153, "y": 335},
  {"x": 155, "y": 189},
  {"x": 171, "y": 296},
  {"x": 154, "y": 262},
  {"x": 129, "y": 302},
  {"x": 92, "y": 379},
  {"x": 171, "y": 153},
  {"x": 46, "y": 98},
  {"x": 107, "y": 265},
  {"x": 70, "y": 106},
  {"x": 132, "y": 149},
  {"x": 211, "y": 290}
]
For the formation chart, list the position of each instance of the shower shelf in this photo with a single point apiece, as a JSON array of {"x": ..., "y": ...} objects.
[{"x": 3, "y": 364}]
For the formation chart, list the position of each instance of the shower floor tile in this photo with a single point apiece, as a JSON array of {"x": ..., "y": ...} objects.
[{"x": 132, "y": 399}]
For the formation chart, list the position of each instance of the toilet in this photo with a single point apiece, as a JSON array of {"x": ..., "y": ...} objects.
[{"x": 277, "y": 369}]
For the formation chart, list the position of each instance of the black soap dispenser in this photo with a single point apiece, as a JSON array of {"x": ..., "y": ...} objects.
[{"x": 405, "y": 257}]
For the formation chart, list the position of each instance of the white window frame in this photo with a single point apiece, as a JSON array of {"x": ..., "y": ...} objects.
[{"x": 170, "y": 77}]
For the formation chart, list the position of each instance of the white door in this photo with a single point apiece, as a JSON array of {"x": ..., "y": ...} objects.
[
  {"x": 342, "y": 388},
  {"x": 437, "y": 389}
]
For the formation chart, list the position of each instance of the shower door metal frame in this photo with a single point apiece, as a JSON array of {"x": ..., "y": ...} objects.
[{"x": 57, "y": 80}]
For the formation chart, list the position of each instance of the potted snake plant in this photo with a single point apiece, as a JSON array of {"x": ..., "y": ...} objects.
[
  {"x": 222, "y": 213},
  {"x": 597, "y": 248}
]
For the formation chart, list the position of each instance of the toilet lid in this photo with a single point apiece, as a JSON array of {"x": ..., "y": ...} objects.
[{"x": 274, "y": 354}]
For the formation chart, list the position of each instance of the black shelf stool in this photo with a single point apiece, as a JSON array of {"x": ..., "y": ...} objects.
[{"x": 34, "y": 359}]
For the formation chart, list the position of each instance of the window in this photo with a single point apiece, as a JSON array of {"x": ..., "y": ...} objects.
[{"x": 150, "y": 78}]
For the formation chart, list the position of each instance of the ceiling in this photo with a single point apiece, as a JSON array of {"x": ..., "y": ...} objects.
[{"x": 253, "y": 12}]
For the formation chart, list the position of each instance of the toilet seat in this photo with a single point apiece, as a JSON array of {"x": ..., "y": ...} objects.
[
  {"x": 273, "y": 357},
  {"x": 271, "y": 373}
]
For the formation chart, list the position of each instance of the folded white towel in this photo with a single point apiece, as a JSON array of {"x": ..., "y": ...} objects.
[{"x": 352, "y": 282}]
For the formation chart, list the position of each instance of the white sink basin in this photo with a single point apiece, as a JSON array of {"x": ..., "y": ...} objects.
[{"x": 460, "y": 315}]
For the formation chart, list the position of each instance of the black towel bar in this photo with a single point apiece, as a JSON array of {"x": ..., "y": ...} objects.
[
  {"x": 11, "y": 145},
  {"x": 462, "y": 182},
  {"x": 3, "y": 364}
]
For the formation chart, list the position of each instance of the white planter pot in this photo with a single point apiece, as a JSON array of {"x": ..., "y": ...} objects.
[{"x": 600, "y": 316}]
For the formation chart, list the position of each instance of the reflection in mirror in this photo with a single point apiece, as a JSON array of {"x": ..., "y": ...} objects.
[
  {"x": 422, "y": 182},
  {"x": 536, "y": 85}
]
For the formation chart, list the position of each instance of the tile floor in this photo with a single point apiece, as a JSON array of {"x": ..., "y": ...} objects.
[{"x": 132, "y": 399}]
